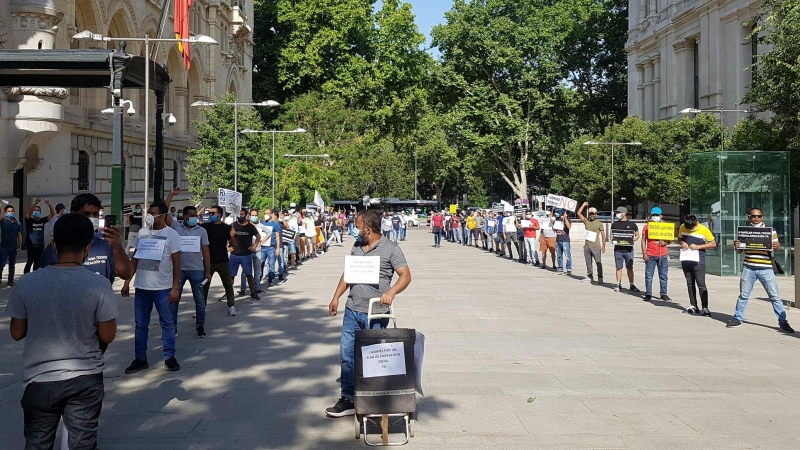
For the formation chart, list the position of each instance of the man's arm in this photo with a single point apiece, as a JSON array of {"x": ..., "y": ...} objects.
[
  {"x": 333, "y": 307},
  {"x": 134, "y": 264},
  {"x": 19, "y": 328},
  {"x": 122, "y": 265},
  {"x": 174, "y": 293},
  {"x": 580, "y": 211},
  {"x": 404, "y": 274},
  {"x": 168, "y": 202},
  {"x": 32, "y": 208},
  {"x": 19, "y": 241},
  {"x": 107, "y": 331}
]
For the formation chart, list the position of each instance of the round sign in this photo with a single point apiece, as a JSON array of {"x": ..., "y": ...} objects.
[
  {"x": 541, "y": 198},
  {"x": 366, "y": 200}
]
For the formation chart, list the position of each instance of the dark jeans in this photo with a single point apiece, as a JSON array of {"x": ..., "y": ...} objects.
[
  {"x": 34, "y": 254},
  {"x": 8, "y": 255},
  {"x": 194, "y": 277},
  {"x": 79, "y": 400},
  {"x": 353, "y": 321},
  {"x": 224, "y": 271},
  {"x": 437, "y": 237},
  {"x": 696, "y": 275}
]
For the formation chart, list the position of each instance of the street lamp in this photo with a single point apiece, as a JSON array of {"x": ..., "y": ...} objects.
[
  {"x": 269, "y": 103},
  {"x": 721, "y": 120},
  {"x": 87, "y": 35},
  {"x": 274, "y": 132},
  {"x": 612, "y": 144}
]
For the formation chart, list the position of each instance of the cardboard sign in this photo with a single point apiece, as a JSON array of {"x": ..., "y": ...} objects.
[
  {"x": 754, "y": 238},
  {"x": 497, "y": 207},
  {"x": 660, "y": 231},
  {"x": 558, "y": 225},
  {"x": 190, "y": 244},
  {"x": 590, "y": 236},
  {"x": 382, "y": 360},
  {"x": 552, "y": 200},
  {"x": 362, "y": 269},
  {"x": 519, "y": 209},
  {"x": 152, "y": 249},
  {"x": 453, "y": 209},
  {"x": 689, "y": 255},
  {"x": 127, "y": 210},
  {"x": 230, "y": 200},
  {"x": 526, "y": 224},
  {"x": 623, "y": 237},
  {"x": 287, "y": 235},
  {"x": 568, "y": 204}
]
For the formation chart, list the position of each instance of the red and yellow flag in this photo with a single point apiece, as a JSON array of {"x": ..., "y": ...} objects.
[{"x": 182, "y": 28}]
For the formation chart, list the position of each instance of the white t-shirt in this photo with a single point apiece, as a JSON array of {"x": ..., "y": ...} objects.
[
  {"x": 155, "y": 275},
  {"x": 308, "y": 227},
  {"x": 263, "y": 231}
]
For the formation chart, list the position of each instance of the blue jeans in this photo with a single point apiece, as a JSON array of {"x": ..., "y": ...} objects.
[
  {"x": 402, "y": 234},
  {"x": 767, "y": 278},
  {"x": 268, "y": 257},
  {"x": 246, "y": 262},
  {"x": 144, "y": 301},
  {"x": 663, "y": 274},
  {"x": 465, "y": 235},
  {"x": 8, "y": 255},
  {"x": 395, "y": 235},
  {"x": 353, "y": 321},
  {"x": 457, "y": 235},
  {"x": 437, "y": 238},
  {"x": 563, "y": 247},
  {"x": 195, "y": 277},
  {"x": 351, "y": 227},
  {"x": 256, "y": 257}
]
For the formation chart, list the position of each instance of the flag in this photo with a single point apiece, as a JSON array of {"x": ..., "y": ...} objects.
[
  {"x": 318, "y": 200},
  {"x": 182, "y": 28}
]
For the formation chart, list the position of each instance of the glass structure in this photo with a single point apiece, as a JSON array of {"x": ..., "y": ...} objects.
[{"x": 725, "y": 185}]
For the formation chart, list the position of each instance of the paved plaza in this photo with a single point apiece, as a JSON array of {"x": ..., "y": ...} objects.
[{"x": 516, "y": 357}]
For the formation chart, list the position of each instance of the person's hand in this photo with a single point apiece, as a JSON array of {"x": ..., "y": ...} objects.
[
  {"x": 19, "y": 250},
  {"x": 736, "y": 243},
  {"x": 112, "y": 235},
  {"x": 662, "y": 243},
  {"x": 208, "y": 277},
  {"x": 37, "y": 201},
  {"x": 233, "y": 232},
  {"x": 387, "y": 298},
  {"x": 585, "y": 204},
  {"x": 278, "y": 252},
  {"x": 333, "y": 308},
  {"x": 252, "y": 248},
  {"x": 126, "y": 289},
  {"x": 693, "y": 246},
  {"x": 684, "y": 245},
  {"x": 47, "y": 202},
  {"x": 175, "y": 191},
  {"x": 603, "y": 250},
  {"x": 645, "y": 257},
  {"x": 174, "y": 295}
]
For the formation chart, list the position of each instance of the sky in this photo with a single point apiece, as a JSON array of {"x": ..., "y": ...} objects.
[{"x": 429, "y": 13}]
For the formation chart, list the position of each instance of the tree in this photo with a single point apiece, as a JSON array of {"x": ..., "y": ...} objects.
[{"x": 437, "y": 160}]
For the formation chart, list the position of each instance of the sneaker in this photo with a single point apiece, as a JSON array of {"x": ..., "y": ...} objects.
[
  {"x": 706, "y": 312},
  {"x": 242, "y": 293},
  {"x": 280, "y": 277},
  {"x": 634, "y": 288},
  {"x": 691, "y": 310},
  {"x": 666, "y": 298},
  {"x": 786, "y": 328},
  {"x": 647, "y": 297},
  {"x": 569, "y": 273},
  {"x": 258, "y": 291},
  {"x": 172, "y": 364},
  {"x": 342, "y": 408},
  {"x": 599, "y": 281},
  {"x": 588, "y": 280},
  {"x": 733, "y": 323},
  {"x": 200, "y": 331},
  {"x": 536, "y": 264},
  {"x": 231, "y": 311},
  {"x": 560, "y": 272},
  {"x": 137, "y": 365},
  {"x": 617, "y": 287},
  {"x": 254, "y": 296},
  {"x": 11, "y": 284}
]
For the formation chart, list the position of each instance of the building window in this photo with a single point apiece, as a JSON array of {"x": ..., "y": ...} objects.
[
  {"x": 753, "y": 54},
  {"x": 151, "y": 172},
  {"x": 174, "y": 174},
  {"x": 696, "y": 74},
  {"x": 83, "y": 171}
]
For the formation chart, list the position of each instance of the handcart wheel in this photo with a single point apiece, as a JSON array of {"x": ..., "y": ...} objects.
[
  {"x": 411, "y": 426},
  {"x": 358, "y": 426}
]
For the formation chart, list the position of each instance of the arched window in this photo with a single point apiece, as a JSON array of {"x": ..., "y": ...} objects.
[
  {"x": 83, "y": 171},
  {"x": 174, "y": 174},
  {"x": 151, "y": 172}
]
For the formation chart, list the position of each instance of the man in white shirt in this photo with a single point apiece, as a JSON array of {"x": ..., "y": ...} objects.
[{"x": 157, "y": 267}]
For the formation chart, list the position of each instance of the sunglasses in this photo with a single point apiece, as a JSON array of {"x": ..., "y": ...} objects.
[{"x": 755, "y": 216}]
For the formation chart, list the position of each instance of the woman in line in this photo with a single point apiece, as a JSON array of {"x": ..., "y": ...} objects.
[
  {"x": 695, "y": 239},
  {"x": 437, "y": 222}
]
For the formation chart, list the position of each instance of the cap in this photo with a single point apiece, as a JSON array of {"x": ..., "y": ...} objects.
[
  {"x": 622, "y": 209},
  {"x": 293, "y": 205},
  {"x": 655, "y": 211},
  {"x": 593, "y": 210},
  {"x": 59, "y": 207}
]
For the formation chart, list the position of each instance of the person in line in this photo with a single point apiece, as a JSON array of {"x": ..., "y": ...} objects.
[
  {"x": 157, "y": 269},
  {"x": 368, "y": 243},
  {"x": 563, "y": 243},
  {"x": 655, "y": 255},
  {"x": 386, "y": 225},
  {"x": 470, "y": 225},
  {"x": 258, "y": 241},
  {"x": 291, "y": 253},
  {"x": 351, "y": 222},
  {"x": 35, "y": 226},
  {"x": 60, "y": 209},
  {"x": 499, "y": 241},
  {"x": 530, "y": 225},
  {"x": 510, "y": 233},
  {"x": 594, "y": 243},
  {"x": 195, "y": 262},
  {"x": 694, "y": 236},
  {"x": 466, "y": 233},
  {"x": 64, "y": 330},
  {"x": 245, "y": 239},
  {"x": 335, "y": 231},
  {"x": 403, "y": 226},
  {"x": 758, "y": 266},
  {"x": 220, "y": 235},
  {"x": 490, "y": 232},
  {"x": 271, "y": 252},
  {"x": 455, "y": 226},
  {"x": 547, "y": 240},
  {"x": 396, "y": 225},
  {"x": 437, "y": 224},
  {"x": 134, "y": 222},
  {"x": 10, "y": 243},
  {"x": 623, "y": 254},
  {"x": 477, "y": 231}
]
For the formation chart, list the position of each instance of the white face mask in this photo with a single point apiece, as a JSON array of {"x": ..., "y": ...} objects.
[
  {"x": 148, "y": 220},
  {"x": 95, "y": 223},
  {"x": 655, "y": 219}
]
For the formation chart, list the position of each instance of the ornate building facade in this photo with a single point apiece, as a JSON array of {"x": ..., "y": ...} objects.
[
  {"x": 689, "y": 54},
  {"x": 56, "y": 143}
]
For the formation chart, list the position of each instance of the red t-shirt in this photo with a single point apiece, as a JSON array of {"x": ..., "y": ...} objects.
[
  {"x": 438, "y": 221},
  {"x": 653, "y": 249},
  {"x": 454, "y": 222},
  {"x": 531, "y": 232}
]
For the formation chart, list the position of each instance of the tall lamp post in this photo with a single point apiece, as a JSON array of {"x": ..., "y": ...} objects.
[
  {"x": 612, "y": 144},
  {"x": 274, "y": 132},
  {"x": 197, "y": 39},
  {"x": 721, "y": 120},
  {"x": 236, "y": 105}
]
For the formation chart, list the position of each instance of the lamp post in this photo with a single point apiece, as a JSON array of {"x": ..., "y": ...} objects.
[
  {"x": 415, "y": 171},
  {"x": 87, "y": 35},
  {"x": 274, "y": 132},
  {"x": 612, "y": 144},
  {"x": 721, "y": 120},
  {"x": 236, "y": 105}
]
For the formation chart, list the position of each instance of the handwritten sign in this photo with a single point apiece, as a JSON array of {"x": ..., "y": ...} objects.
[
  {"x": 622, "y": 237},
  {"x": 689, "y": 255},
  {"x": 152, "y": 249},
  {"x": 660, "y": 231},
  {"x": 190, "y": 244},
  {"x": 558, "y": 225},
  {"x": 552, "y": 200},
  {"x": 362, "y": 269},
  {"x": 230, "y": 200},
  {"x": 382, "y": 360},
  {"x": 568, "y": 204},
  {"x": 590, "y": 236},
  {"x": 287, "y": 235},
  {"x": 754, "y": 238},
  {"x": 526, "y": 224}
]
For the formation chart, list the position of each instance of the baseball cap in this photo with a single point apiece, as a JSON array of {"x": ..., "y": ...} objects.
[
  {"x": 593, "y": 210},
  {"x": 59, "y": 207},
  {"x": 655, "y": 211},
  {"x": 622, "y": 209}
]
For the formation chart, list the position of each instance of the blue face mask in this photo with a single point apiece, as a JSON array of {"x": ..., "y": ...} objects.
[
  {"x": 254, "y": 219},
  {"x": 213, "y": 218},
  {"x": 618, "y": 216},
  {"x": 36, "y": 214},
  {"x": 356, "y": 233},
  {"x": 10, "y": 215},
  {"x": 138, "y": 210},
  {"x": 192, "y": 221}
]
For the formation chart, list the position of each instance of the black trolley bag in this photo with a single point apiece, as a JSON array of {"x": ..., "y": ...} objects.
[{"x": 380, "y": 396}]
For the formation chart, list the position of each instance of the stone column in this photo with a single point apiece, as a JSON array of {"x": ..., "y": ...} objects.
[
  {"x": 656, "y": 87},
  {"x": 649, "y": 99},
  {"x": 640, "y": 90},
  {"x": 180, "y": 112},
  {"x": 684, "y": 73}
]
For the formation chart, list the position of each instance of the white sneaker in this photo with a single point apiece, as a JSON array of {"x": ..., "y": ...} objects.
[
  {"x": 231, "y": 311},
  {"x": 323, "y": 252}
]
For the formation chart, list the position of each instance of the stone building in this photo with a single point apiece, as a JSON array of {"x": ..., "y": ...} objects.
[
  {"x": 689, "y": 54},
  {"x": 55, "y": 142}
]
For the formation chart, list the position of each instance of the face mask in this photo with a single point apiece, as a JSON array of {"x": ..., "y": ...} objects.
[
  {"x": 655, "y": 219},
  {"x": 213, "y": 218},
  {"x": 192, "y": 221},
  {"x": 9, "y": 215},
  {"x": 592, "y": 218},
  {"x": 138, "y": 210},
  {"x": 36, "y": 214},
  {"x": 95, "y": 222},
  {"x": 149, "y": 220},
  {"x": 254, "y": 219},
  {"x": 241, "y": 219},
  {"x": 266, "y": 216},
  {"x": 618, "y": 216}
]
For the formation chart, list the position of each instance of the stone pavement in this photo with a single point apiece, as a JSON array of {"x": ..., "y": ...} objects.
[{"x": 516, "y": 357}]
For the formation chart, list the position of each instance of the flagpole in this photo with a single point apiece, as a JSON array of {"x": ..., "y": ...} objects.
[{"x": 160, "y": 26}]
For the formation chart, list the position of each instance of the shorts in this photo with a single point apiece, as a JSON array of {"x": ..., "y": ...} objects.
[
  {"x": 289, "y": 245},
  {"x": 245, "y": 261},
  {"x": 547, "y": 243},
  {"x": 623, "y": 259}
]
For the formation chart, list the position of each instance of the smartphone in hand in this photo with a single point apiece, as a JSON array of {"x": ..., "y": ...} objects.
[{"x": 110, "y": 220}]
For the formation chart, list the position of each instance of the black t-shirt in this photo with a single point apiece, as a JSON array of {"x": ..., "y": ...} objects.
[
  {"x": 396, "y": 222},
  {"x": 351, "y": 218},
  {"x": 626, "y": 225},
  {"x": 244, "y": 238},
  {"x": 563, "y": 235},
  {"x": 36, "y": 230},
  {"x": 136, "y": 219},
  {"x": 218, "y": 236}
]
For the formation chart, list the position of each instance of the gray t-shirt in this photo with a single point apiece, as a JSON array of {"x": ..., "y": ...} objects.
[
  {"x": 191, "y": 260},
  {"x": 63, "y": 306},
  {"x": 392, "y": 258}
]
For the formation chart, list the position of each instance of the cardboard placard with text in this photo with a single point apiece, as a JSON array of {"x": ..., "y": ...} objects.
[
  {"x": 552, "y": 200},
  {"x": 660, "y": 231},
  {"x": 754, "y": 238},
  {"x": 568, "y": 204}
]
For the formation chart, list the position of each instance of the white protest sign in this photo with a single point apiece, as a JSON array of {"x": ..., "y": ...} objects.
[
  {"x": 190, "y": 244},
  {"x": 362, "y": 269},
  {"x": 690, "y": 255},
  {"x": 230, "y": 200},
  {"x": 381, "y": 360},
  {"x": 590, "y": 236},
  {"x": 150, "y": 249},
  {"x": 525, "y": 224},
  {"x": 558, "y": 225},
  {"x": 552, "y": 200},
  {"x": 568, "y": 203}
]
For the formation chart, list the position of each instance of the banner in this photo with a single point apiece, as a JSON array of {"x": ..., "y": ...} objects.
[
  {"x": 552, "y": 200},
  {"x": 660, "y": 231},
  {"x": 754, "y": 238},
  {"x": 568, "y": 204},
  {"x": 519, "y": 209},
  {"x": 230, "y": 200},
  {"x": 497, "y": 208},
  {"x": 287, "y": 235},
  {"x": 319, "y": 201}
]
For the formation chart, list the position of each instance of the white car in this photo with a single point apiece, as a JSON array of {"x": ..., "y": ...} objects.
[{"x": 412, "y": 220}]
